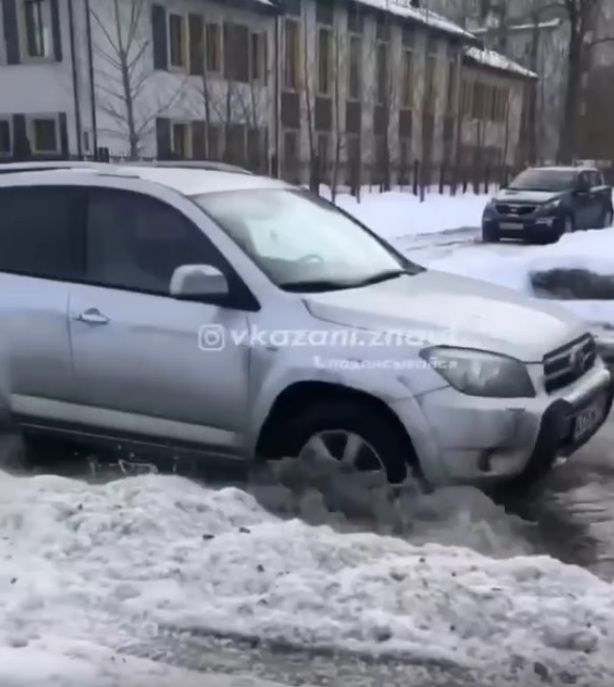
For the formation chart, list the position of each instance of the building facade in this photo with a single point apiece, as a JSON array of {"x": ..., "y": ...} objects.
[
  {"x": 356, "y": 90},
  {"x": 496, "y": 95}
]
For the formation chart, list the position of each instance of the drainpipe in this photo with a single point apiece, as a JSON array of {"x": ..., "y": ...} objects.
[
  {"x": 90, "y": 59},
  {"x": 75, "y": 77}
]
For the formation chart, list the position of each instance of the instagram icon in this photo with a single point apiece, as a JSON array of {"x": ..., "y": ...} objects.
[{"x": 211, "y": 337}]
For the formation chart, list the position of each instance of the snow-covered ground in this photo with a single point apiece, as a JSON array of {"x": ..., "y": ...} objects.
[
  {"x": 413, "y": 226},
  {"x": 88, "y": 569}
]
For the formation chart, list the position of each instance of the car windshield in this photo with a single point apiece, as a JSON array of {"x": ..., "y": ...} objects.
[
  {"x": 544, "y": 180},
  {"x": 302, "y": 242}
]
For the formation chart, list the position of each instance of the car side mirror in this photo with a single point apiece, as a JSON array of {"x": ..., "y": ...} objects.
[{"x": 198, "y": 282}]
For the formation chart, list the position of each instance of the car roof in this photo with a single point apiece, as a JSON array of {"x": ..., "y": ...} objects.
[{"x": 191, "y": 180}]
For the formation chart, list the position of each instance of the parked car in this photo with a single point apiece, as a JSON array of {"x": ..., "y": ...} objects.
[
  {"x": 542, "y": 204},
  {"x": 230, "y": 316}
]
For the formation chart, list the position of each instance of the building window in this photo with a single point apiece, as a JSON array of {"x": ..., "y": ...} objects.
[
  {"x": 324, "y": 60},
  {"x": 214, "y": 48},
  {"x": 235, "y": 144},
  {"x": 236, "y": 52},
  {"x": 355, "y": 71},
  {"x": 355, "y": 18},
  {"x": 353, "y": 159},
  {"x": 181, "y": 144},
  {"x": 409, "y": 36},
  {"x": 291, "y": 159},
  {"x": 258, "y": 57},
  {"x": 177, "y": 40},
  {"x": 429, "y": 85},
  {"x": 292, "y": 61},
  {"x": 383, "y": 27},
  {"x": 37, "y": 20},
  {"x": 44, "y": 135},
  {"x": 382, "y": 74},
  {"x": 407, "y": 84},
  {"x": 325, "y": 12},
  {"x": 452, "y": 80},
  {"x": 214, "y": 141},
  {"x": 6, "y": 148}
]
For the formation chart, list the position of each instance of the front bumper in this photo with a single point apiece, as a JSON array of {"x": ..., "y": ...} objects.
[
  {"x": 461, "y": 439},
  {"x": 524, "y": 228}
]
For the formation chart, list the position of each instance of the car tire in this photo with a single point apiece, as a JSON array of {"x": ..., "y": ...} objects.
[
  {"x": 569, "y": 227},
  {"x": 490, "y": 236},
  {"x": 340, "y": 423},
  {"x": 608, "y": 218}
]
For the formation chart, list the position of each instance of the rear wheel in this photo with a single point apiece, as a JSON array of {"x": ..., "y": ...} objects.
[{"x": 354, "y": 434}]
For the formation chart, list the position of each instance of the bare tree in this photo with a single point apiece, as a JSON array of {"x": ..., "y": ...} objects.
[
  {"x": 309, "y": 70},
  {"x": 122, "y": 44},
  {"x": 582, "y": 16}
]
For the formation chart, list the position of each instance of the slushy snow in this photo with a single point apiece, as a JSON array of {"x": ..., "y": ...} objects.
[{"x": 87, "y": 568}]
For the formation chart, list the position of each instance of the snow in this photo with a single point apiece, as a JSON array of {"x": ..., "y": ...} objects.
[
  {"x": 428, "y": 233},
  {"x": 398, "y": 214},
  {"x": 403, "y": 8},
  {"x": 490, "y": 58},
  {"x": 87, "y": 568}
]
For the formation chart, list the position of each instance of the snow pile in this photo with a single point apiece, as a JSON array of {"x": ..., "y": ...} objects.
[
  {"x": 589, "y": 250},
  {"x": 105, "y": 564},
  {"x": 398, "y": 214},
  {"x": 495, "y": 60}
]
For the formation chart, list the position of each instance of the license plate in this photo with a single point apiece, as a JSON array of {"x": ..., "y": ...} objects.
[
  {"x": 589, "y": 419},
  {"x": 511, "y": 226}
]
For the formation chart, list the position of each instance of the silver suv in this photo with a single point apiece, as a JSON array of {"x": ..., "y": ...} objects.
[{"x": 235, "y": 316}]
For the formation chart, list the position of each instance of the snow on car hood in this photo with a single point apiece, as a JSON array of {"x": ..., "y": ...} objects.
[
  {"x": 510, "y": 194},
  {"x": 445, "y": 309}
]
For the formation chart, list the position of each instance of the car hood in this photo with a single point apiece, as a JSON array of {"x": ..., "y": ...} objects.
[
  {"x": 438, "y": 308},
  {"x": 509, "y": 195}
]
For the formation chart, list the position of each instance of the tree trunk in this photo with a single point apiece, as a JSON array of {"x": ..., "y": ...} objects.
[{"x": 569, "y": 130}]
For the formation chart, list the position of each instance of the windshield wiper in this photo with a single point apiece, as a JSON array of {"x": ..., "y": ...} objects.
[
  {"x": 388, "y": 275},
  {"x": 314, "y": 285}
]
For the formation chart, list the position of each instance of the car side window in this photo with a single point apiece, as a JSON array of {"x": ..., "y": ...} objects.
[
  {"x": 584, "y": 181},
  {"x": 38, "y": 232},
  {"x": 136, "y": 242}
]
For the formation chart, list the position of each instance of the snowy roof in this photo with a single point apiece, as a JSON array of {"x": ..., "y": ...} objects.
[
  {"x": 422, "y": 15},
  {"x": 550, "y": 24},
  {"x": 495, "y": 60}
]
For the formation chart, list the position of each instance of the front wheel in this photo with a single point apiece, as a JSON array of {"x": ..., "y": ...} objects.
[
  {"x": 353, "y": 434},
  {"x": 489, "y": 235}
]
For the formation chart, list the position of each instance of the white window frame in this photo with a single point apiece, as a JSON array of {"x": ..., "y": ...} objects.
[
  {"x": 30, "y": 119},
  {"x": 186, "y": 48},
  {"x": 48, "y": 55},
  {"x": 9, "y": 121}
]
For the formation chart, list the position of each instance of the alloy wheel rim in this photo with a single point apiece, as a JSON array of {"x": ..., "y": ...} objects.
[{"x": 348, "y": 449}]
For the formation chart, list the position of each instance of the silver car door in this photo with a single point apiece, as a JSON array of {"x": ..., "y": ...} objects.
[
  {"x": 140, "y": 362},
  {"x": 38, "y": 258}
]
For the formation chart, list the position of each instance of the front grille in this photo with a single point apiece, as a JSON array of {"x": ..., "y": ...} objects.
[
  {"x": 568, "y": 363},
  {"x": 516, "y": 210}
]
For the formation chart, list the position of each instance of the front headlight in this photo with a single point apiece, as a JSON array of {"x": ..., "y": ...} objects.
[
  {"x": 552, "y": 205},
  {"x": 480, "y": 373}
]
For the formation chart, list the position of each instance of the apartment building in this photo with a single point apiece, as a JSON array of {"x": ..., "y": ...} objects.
[
  {"x": 175, "y": 78},
  {"x": 359, "y": 89}
]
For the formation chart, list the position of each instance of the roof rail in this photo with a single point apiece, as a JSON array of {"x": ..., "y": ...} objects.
[
  {"x": 207, "y": 165},
  {"x": 47, "y": 166}
]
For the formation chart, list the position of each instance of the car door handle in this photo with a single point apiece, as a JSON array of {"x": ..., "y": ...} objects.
[{"x": 92, "y": 316}]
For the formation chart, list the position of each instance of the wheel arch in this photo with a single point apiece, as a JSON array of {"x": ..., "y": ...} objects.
[{"x": 274, "y": 442}]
